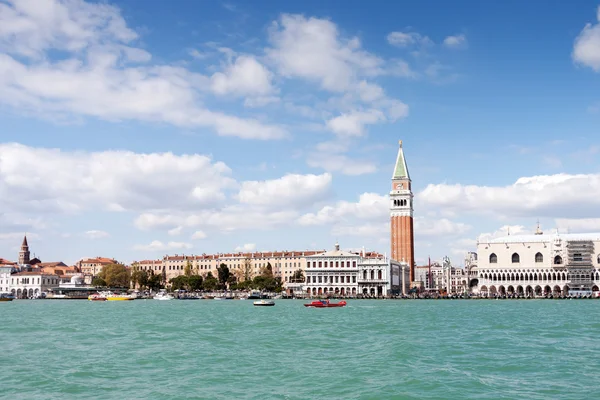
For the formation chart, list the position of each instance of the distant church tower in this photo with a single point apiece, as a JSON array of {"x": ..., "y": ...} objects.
[
  {"x": 401, "y": 213},
  {"x": 24, "y": 253}
]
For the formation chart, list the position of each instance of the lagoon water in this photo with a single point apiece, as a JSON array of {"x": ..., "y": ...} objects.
[{"x": 386, "y": 349}]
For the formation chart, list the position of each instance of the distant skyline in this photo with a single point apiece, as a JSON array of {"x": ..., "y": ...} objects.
[{"x": 133, "y": 129}]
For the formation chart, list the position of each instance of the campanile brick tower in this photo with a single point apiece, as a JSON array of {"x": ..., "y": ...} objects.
[{"x": 401, "y": 214}]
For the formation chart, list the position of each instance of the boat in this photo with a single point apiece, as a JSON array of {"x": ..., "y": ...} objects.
[
  {"x": 254, "y": 294},
  {"x": 6, "y": 297},
  {"x": 325, "y": 304},
  {"x": 163, "y": 295},
  {"x": 97, "y": 297},
  {"x": 110, "y": 296},
  {"x": 224, "y": 297},
  {"x": 264, "y": 303}
]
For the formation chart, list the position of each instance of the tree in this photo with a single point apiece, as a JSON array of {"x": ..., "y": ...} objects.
[
  {"x": 297, "y": 276},
  {"x": 97, "y": 281},
  {"x": 210, "y": 282},
  {"x": 195, "y": 282},
  {"x": 155, "y": 281},
  {"x": 247, "y": 272},
  {"x": 187, "y": 271},
  {"x": 115, "y": 275},
  {"x": 179, "y": 282},
  {"x": 139, "y": 277},
  {"x": 223, "y": 273},
  {"x": 267, "y": 271}
]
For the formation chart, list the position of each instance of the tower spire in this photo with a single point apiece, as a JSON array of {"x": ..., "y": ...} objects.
[{"x": 400, "y": 169}]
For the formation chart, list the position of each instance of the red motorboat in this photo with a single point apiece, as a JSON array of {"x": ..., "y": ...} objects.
[{"x": 325, "y": 304}]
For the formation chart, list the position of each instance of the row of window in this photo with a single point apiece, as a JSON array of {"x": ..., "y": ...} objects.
[
  {"x": 330, "y": 264},
  {"x": 323, "y": 279},
  {"x": 539, "y": 258},
  {"x": 400, "y": 203}
]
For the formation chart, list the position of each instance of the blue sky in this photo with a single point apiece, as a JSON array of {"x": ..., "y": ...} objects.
[{"x": 134, "y": 129}]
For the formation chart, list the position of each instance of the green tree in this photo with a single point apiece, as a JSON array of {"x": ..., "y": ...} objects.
[
  {"x": 210, "y": 282},
  {"x": 267, "y": 271},
  {"x": 187, "y": 271},
  {"x": 247, "y": 272},
  {"x": 195, "y": 282},
  {"x": 155, "y": 282},
  {"x": 116, "y": 275},
  {"x": 223, "y": 273},
  {"x": 97, "y": 281},
  {"x": 179, "y": 282},
  {"x": 297, "y": 276}
]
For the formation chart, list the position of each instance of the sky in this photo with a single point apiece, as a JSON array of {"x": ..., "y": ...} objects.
[{"x": 135, "y": 129}]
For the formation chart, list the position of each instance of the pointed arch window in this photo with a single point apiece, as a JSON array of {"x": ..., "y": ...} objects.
[
  {"x": 539, "y": 258},
  {"x": 493, "y": 258},
  {"x": 558, "y": 260},
  {"x": 515, "y": 258},
  {"x": 598, "y": 259}
]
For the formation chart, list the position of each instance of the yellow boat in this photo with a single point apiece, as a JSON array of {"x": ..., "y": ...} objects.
[{"x": 117, "y": 297}]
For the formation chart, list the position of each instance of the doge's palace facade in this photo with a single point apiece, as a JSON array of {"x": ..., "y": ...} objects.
[{"x": 537, "y": 265}]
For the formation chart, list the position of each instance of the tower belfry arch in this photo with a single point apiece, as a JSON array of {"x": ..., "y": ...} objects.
[{"x": 401, "y": 214}]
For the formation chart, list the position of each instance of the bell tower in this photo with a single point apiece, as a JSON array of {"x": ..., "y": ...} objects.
[
  {"x": 401, "y": 215},
  {"x": 24, "y": 253}
]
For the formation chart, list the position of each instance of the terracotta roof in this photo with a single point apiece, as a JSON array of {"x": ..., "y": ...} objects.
[
  {"x": 51, "y": 264},
  {"x": 4, "y": 261},
  {"x": 29, "y": 273}
]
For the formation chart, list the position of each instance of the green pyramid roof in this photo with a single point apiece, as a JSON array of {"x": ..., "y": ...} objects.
[{"x": 400, "y": 170}]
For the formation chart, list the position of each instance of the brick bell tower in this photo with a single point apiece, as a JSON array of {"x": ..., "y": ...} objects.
[{"x": 401, "y": 215}]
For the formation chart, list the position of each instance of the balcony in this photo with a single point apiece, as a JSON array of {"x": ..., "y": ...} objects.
[{"x": 374, "y": 280}]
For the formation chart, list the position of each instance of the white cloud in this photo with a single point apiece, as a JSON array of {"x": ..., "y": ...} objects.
[
  {"x": 291, "y": 190},
  {"x": 438, "y": 227},
  {"x": 342, "y": 163},
  {"x": 456, "y": 41},
  {"x": 95, "y": 234},
  {"x": 560, "y": 195},
  {"x": 197, "y": 54},
  {"x": 99, "y": 76},
  {"x": 406, "y": 39},
  {"x": 312, "y": 49},
  {"x": 245, "y": 77},
  {"x": 157, "y": 245},
  {"x": 17, "y": 237},
  {"x": 353, "y": 124},
  {"x": 503, "y": 231},
  {"x": 175, "y": 231},
  {"x": 586, "y": 49},
  {"x": 248, "y": 247},
  {"x": 370, "y": 206},
  {"x": 67, "y": 181},
  {"x": 578, "y": 224},
  {"x": 199, "y": 235}
]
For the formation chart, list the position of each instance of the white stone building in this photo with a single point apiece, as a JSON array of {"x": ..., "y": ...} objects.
[
  {"x": 347, "y": 274},
  {"x": 537, "y": 265},
  {"x": 31, "y": 284}
]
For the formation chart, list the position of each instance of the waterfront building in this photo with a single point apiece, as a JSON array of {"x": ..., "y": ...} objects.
[
  {"x": 93, "y": 266},
  {"x": 401, "y": 215},
  {"x": 6, "y": 271},
  {"x": 31, "y": 284},
  {"x": 536, "y": 265},
  {"x": 283, "y": 264},
  {"x": 344, "y": 273}
]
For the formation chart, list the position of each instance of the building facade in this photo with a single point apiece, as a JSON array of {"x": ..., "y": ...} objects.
[
  {"x": 401, "y": 215},
  {"x": 347, "y": 274},
  {"x": 536, "y": 265}
]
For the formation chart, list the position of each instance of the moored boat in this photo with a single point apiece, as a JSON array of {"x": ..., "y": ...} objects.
[
  {"x": 325, "y": 304},
  {"x": 163, "y": 295},
  {"x": 264, "y": 303},
  {"x": 6, "y": 297},
  {"x": 110, "y": 296},
  {"x": 97, "y": 297}
]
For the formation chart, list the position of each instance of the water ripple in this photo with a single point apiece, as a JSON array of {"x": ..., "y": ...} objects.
[{"x": 230, "y": 349}]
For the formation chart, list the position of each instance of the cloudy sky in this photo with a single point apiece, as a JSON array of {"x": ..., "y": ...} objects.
[{"x": 134, "y": 129}]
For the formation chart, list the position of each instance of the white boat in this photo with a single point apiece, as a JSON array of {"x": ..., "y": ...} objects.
[
  {"x": 264, "y": 303},
  {"x": 162, "y": 295}
]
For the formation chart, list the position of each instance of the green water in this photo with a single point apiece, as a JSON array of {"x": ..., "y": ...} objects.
[{"x": 147, "y": 349}]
